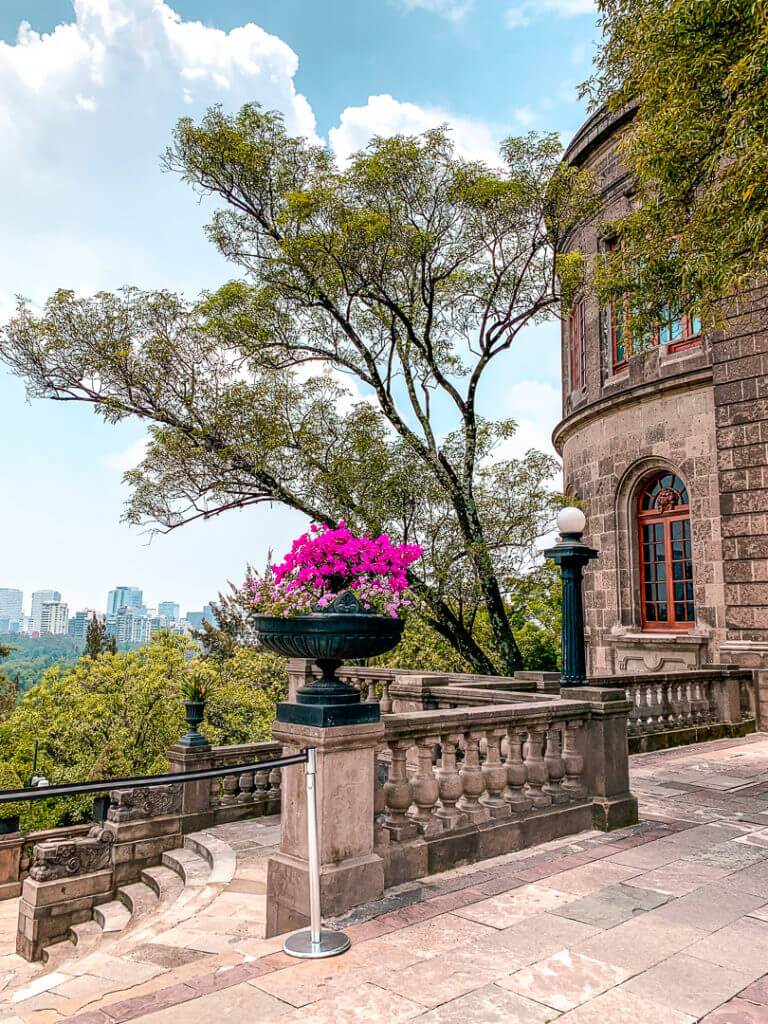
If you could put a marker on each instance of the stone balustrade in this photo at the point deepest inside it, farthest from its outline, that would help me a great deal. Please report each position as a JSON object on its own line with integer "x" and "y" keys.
{"x": 256, "y": 792}
{"x": 469, "y": 783}
{"x": 674, "y": 708}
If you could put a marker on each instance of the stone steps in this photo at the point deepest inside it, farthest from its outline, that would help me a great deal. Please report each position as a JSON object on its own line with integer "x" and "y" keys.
{"x": 182, "y": 879}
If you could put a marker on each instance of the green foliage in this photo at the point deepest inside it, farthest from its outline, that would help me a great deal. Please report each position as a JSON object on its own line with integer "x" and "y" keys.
{"x": 408, "y": 274}
{"x": 31, "y": 656}
{"x": 697, "y": 147}
{"x": 534, "y": 609}
{"x": 98, "y": 640}
{"x": 117, "y": 715}
{"x": 9, "y": 779}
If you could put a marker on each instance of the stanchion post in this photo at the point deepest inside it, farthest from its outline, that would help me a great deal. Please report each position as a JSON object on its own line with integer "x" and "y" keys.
{"x": 315, "y": 942}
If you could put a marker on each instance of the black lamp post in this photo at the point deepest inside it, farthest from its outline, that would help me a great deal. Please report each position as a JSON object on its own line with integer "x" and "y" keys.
{"x": 571, "y": 555}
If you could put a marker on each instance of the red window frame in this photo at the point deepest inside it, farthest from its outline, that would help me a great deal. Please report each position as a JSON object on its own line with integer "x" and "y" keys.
{"x": 690, "y": 330}
{"x": 577, "y": 347}
{"x": 666, "y": 564}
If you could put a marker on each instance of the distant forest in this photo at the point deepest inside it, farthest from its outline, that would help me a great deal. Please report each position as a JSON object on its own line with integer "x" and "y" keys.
{"x": 32, "y": 655}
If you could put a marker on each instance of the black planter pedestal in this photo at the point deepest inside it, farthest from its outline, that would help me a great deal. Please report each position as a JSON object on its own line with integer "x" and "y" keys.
{"x": 330, "y": 636}
{"x": 328, "y": 702}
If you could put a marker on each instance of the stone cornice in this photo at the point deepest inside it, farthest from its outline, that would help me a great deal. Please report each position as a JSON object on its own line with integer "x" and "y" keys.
{"x": 596, "y": 129}
{"x": 687, "y": 381}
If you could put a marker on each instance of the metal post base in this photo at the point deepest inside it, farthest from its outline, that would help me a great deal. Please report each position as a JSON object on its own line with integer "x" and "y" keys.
{"x": 331, "y": 943}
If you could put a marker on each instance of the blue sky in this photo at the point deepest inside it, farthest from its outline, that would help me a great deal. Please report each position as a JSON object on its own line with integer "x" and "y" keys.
{"x": 88, "y": 95}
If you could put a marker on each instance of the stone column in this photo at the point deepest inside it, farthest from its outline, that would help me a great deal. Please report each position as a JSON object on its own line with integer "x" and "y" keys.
{"x": 10, "y": 858}
{"x": 606, "y": 759}
{"x": 350, "y": 872}
{"x": 195, "y": 796}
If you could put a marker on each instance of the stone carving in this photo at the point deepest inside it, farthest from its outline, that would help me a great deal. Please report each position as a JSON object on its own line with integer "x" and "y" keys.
{"x": 59, "y": 858}
{"x": 666, "y": 499}
{"x": 138, "y": 804}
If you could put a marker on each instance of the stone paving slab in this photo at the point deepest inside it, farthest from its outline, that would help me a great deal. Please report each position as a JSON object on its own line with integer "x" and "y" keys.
{"x": 665, "y": 922}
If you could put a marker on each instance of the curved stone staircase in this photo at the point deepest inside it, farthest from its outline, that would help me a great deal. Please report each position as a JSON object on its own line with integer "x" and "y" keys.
{"x": 189, "y": 878}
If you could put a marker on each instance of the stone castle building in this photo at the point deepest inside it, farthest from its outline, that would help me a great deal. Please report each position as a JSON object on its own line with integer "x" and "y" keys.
{"x": 668, "y": 448}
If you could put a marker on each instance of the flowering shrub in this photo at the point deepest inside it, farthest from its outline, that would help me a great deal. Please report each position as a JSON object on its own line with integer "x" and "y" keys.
{"x": 324, "y": 562}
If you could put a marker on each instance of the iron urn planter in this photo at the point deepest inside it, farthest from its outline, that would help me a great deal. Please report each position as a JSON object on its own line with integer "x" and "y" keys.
{"x": 193, "y": 712}
{"x": 329, "y": 636}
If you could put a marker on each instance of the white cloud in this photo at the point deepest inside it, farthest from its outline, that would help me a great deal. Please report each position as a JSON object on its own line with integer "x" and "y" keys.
{"x": 536, "y": 407}
{"x": 129, "y": 457}
{"x": 524, "y": 13}
{"x": 525, "y": 116}
{"x": 454, "y": 10}
{"x": 383, "y": 115}
{"x": 85, "y": 111}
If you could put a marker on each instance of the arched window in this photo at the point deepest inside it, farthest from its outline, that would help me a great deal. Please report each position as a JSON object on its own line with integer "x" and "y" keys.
{"x": 666, "y": 569}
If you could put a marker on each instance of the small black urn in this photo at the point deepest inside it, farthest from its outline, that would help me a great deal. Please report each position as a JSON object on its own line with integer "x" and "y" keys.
{"x": 193, "y": 712}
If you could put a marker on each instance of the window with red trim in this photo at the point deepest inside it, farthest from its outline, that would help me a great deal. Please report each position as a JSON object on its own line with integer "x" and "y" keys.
{"x": 577, "y": 347}
{"x": 676, "y": 330}
{"x": 666, "y": 566}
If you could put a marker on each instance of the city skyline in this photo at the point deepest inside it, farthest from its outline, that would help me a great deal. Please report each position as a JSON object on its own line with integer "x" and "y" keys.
{"x": 102, "y": 608}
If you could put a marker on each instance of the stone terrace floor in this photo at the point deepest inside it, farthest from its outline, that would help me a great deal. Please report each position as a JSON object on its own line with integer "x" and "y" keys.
{"x": 663, "y": 923}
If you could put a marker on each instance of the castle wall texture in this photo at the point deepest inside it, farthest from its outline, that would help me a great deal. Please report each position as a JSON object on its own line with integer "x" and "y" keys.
{"x": 702, "y": 413}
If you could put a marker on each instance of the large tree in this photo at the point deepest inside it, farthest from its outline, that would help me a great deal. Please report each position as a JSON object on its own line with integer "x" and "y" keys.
{"x": 408, "y": 272}
{"x": 697, "y": 147}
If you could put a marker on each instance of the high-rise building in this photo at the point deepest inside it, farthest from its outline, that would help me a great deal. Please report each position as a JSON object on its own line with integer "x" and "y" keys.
{"x": 129, "y": 626}
{"x": 39, "y": 597}
{"x": 124, "y": 597}
{"x": 54, "y": 616}
{"x": 79, "y": 623}
{"x": 10, "y": 605}
{"x": 169, "y": 610}
{"x": 195, "y": 619}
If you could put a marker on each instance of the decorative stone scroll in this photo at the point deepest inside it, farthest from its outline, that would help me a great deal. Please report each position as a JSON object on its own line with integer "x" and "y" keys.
{"x": 151, "y": 802}
{"x": 67, "y": 858}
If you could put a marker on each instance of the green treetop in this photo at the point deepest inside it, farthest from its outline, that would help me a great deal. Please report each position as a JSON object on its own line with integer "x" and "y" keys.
{"x": 697, "y": 148}
{"x": 409, "y": 273}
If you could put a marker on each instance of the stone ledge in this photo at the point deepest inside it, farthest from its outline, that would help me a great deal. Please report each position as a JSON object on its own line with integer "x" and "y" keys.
{"x": 405, "y": 861}
{"x": 684, "y": 737}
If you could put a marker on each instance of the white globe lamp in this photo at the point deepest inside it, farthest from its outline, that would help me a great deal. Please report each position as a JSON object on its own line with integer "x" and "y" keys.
{"x": 571, "y": 520}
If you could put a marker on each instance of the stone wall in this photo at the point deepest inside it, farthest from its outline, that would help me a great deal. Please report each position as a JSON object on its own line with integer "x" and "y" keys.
{"x": 606, "y": 456}
{"x": 658, "y": 411}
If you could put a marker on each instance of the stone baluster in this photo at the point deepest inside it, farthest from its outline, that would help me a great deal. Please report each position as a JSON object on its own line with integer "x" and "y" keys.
{"x": 425, "y": 790}
{"x": 385, "y": 704}
{"x": 688, "y": 700}
{"x": 472, "y": 779}
{"x": 245, "y": 785}
{"x": 516, "y": 771}
{"x": 215, "y": 799}
{"x": 555, "y": 767}
{"x": 573, "y": 762}
{"x": 659, "y": 724}
{"x": 634, "y": 726}
{"x": 712, "y": 707}
{"x": 449, "y": 784}
{"x": 646, "y": 714}
{"x": 371, "y": 695}
{"x": 274, "y": 793}
{"x": 677, "y": 713}
{"x": 399, "y": 795}
{"x": 261, "y": 781}
{"x": 536, "y": 768}
{"x": 495, "y": 776}
{"x": 229, "y": 785}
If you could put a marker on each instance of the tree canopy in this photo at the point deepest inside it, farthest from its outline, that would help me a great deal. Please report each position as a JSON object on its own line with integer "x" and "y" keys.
{"x": 117, "y": 714}
{"x": 407, "y": 274}
{"x": 697, "y": 147}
